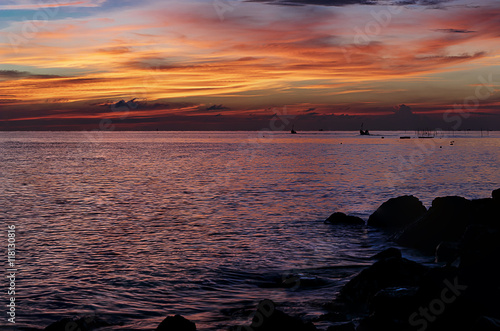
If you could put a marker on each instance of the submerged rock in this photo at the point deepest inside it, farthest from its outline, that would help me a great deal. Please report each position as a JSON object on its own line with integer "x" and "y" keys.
{"x": 176, "y": 323}
{"x": 397, "y": 212}
{"x": 341, "y": 218}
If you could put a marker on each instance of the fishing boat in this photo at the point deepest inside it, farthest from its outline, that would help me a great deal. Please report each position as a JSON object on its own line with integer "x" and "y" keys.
{"x": 363, "y": 132}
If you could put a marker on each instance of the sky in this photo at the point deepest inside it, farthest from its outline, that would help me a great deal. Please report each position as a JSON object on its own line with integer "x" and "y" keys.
{"x": 249, "y": 65}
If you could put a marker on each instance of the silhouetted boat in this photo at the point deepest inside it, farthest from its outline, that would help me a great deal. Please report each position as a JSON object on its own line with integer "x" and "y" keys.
{"x": 405, "y": 137}
{"x": 363, "y": 132}
{"x": 293, "y": 131}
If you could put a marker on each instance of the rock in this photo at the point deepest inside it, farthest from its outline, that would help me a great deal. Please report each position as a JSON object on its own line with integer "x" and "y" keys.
{"x": 447, "y": 252}
{"x": 341, "y": 218}
{"x": 62, "y": 324}
{"x": 397, "y": 212}
{"x": 372, "y": 323}
{"x": 176, "y": 323}
{"x": 390, "y": 309}
{"x": 293, "y": 280}
{"x": 480, "y": 245}
{"x": 394, "y": 303}
{"x": 480, "y": 258}
{"x": 485, "y": 212}
{"x": 332, "y": 317}
{"x": 85, "y": 323}
{"x": 445, "y": 301}
{"x": 433, "y": 282}
{"x": 342, "y": 327}
{"x": 496, "y": 195}
{"x": 486, "y": 324}
{"x": 299, "y": 280}
{"x": 389, "y": 252}
{"x": 446, "y": 220}
{"x": 268, "y": 318}
{"x": 390, "y": 272}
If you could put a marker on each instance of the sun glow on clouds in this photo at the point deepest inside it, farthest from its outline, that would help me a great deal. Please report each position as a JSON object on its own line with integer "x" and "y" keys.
{"x": 257, "y": 56}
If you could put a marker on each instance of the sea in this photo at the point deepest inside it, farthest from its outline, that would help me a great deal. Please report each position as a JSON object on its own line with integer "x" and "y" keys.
{"x": 131, "y": 227}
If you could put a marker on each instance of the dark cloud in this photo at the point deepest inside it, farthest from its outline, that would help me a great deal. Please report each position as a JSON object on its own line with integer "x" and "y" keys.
{"x": 115, "y": 50}
{"x": 339, "y": 3}
{"x": 16, "y": 74}
{"x": 316, "y": 2}
{"x": 403, "y": 111}
{"x": 13, "y": 74}
{"x": 131, "y": 104}
{"x": 217, "y": 107}
{"x": 247, "y": 58}
{"x": 455, "y": 31}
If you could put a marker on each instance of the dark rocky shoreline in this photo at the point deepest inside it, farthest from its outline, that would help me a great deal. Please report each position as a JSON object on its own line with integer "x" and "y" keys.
{"x": 461, "y": 292}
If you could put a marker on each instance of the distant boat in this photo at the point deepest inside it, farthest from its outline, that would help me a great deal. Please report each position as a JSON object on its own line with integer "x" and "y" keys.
{"x": 363, "y": 132}
{"x": 293, "y": 131}
{"x": 405, "y": 137}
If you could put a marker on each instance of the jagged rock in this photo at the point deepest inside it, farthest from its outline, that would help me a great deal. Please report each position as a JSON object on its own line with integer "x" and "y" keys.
{"x": 176, "y": 323}
{"x": 446, "y": 220}
{"x": 397, "y": 212}
{"x": 341, "y": 218}
{"x": 389, "y": 252}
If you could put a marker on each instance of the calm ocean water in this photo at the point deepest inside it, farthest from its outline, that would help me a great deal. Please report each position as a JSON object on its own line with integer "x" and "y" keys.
{"x": 135, "y": 226}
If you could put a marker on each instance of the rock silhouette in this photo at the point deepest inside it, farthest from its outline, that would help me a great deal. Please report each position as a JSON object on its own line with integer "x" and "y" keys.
{"x": 176, "y": 323}
{"x": 397, "y": 212}
{"x": 341, "y": 218}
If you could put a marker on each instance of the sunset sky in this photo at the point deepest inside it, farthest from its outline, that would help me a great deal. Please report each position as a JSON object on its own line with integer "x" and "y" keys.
{"x": 219, "y": 64}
